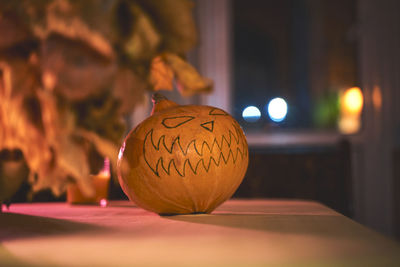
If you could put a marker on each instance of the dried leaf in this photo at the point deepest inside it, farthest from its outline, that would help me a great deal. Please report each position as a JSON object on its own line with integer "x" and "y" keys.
{"x": 129, "y": 89}
{"x": 16, "y": 130}
{"x": 100, "y": 114}
{"x": 102, "y": 145}
{"x": 69, "y": 156}
{"x": 161, "y": 75}
{"x": 174, "y": 20}
{"x": 68, "y": 19}
{"x": 144, "y": 40}
{"x": 73, "y": 160}
{"x": 189, "y": 80}
{"x": 76, "y": 69}
{"x": 12, "y": 30}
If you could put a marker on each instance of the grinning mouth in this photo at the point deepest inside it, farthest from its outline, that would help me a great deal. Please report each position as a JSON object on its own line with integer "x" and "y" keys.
{"x": 169, "y": 158}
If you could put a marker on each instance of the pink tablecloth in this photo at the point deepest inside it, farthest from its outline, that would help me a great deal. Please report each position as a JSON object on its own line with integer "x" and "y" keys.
{"x": 239, "y": 233}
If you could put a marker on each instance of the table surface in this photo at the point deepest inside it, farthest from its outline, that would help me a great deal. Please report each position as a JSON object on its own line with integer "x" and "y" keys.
{"x": 238, "y": 233}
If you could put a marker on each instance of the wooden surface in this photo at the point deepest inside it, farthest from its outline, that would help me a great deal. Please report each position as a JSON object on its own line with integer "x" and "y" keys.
{"x": 239, "y": 233}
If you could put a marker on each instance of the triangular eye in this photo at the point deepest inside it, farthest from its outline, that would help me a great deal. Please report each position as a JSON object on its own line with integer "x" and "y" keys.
{"x": 217, "y": 111}
{"x": 209, "y": 126}
{"x": 174, "y": 122}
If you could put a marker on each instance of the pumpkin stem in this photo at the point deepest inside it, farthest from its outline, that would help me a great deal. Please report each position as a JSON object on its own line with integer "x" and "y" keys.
{"x": 160, "y": 103}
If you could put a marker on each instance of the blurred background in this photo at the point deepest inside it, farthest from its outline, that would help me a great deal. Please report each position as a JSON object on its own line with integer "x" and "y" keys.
{"x": 326, "y": 140}
{"x": 314, "y": 84}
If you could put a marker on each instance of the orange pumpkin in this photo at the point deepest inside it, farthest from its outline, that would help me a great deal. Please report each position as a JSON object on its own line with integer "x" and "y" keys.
{"x": 183, "y": 159}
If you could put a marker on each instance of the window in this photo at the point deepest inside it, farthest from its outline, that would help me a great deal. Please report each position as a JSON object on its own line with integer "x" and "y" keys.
{"x": 302, "y": 52}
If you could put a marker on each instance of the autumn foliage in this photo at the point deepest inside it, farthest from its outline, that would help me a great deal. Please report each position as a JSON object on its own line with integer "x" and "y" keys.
{"x": 70, "y": 71}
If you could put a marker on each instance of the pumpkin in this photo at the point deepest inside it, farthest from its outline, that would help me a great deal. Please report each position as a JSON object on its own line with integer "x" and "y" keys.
{"x": 183, "y": 159}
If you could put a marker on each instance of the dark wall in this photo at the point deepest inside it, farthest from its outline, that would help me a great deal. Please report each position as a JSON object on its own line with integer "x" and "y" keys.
{"x": 314, "y": 173}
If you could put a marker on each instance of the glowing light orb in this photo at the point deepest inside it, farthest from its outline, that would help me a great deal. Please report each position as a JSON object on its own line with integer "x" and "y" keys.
{"x": 349, "y": 124}
{"x": 277, "y": 109}
{"x": 103, "y": 202}
{"x": 251, "y": 114}
{"x": 353, "y": 100}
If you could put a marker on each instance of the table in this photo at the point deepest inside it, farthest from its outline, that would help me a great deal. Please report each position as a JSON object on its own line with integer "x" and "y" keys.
{"x": 238, "y": 233}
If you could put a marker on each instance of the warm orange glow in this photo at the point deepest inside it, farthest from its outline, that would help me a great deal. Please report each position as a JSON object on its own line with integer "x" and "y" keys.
{"x": 105, "y": 172}
{"x": 49, "y": 80}
{"x": 100, "y": 184}
{"x": 352, "y": 101}
{"x": 349, "y": 124}
{"x": 377, "y": 98}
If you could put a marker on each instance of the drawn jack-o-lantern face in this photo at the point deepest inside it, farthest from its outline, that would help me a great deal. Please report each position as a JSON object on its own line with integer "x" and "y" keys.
{"x": 184, "y": 159}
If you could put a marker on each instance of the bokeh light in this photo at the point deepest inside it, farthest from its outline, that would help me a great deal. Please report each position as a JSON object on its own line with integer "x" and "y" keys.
{"x": 103, "y": 203}
{"x": 350, "y": 114}
{"x": 251, "y": 114}
{"x": 377, "y": 97}
{"x": 352, "y": 100}
{"x": 277, "y": 109}
{"x": 349, "y": 124}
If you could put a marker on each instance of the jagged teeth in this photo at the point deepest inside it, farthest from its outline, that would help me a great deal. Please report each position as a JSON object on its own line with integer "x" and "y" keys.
{"x": 176, "y": 159}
